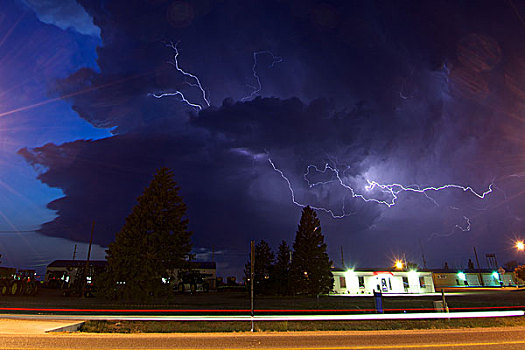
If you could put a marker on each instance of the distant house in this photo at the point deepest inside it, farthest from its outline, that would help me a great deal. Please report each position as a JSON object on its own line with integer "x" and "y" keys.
{"x": 366, "y": 281}
{"x": 473, "y": 278}
{"x": 62, "y": 272}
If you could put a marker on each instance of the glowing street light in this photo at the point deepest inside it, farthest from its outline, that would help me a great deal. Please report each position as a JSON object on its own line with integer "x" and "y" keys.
{"x": 520, "y": 245}
{"x": 398, "y": 264}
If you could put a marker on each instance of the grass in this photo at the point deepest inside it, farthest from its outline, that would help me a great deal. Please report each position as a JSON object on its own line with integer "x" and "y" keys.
{"x": 286, "y": 326}
{"x": 241, "y": 300}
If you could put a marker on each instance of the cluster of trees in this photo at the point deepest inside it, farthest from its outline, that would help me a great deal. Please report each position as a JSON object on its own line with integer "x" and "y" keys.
{"x": 155, "y": 240}
{"x": 303, "y": 270}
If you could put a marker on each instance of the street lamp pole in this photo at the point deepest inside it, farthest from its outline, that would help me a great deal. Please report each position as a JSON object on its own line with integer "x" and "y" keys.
{"x": 252, "y": 274}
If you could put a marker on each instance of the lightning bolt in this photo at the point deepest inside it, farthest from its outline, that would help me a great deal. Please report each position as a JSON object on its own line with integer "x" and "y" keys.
{"x": 392, "y": 190}
{"x": 257, "y": 89}
{"x": 467, "y": 228}
{"x": 196, "y": 82}
{"x": 329, "y": 211}
{"x": 395, "y": 189}
{"x": 183, "y": 98}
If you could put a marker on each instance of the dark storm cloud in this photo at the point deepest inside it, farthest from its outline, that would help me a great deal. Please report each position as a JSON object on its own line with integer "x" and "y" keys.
{"x": 412, "y": 92}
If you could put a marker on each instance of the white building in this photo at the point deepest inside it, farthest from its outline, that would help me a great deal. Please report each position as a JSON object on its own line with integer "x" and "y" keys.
{"x": 365, "y": 282}
{"x": 473, "y": 278}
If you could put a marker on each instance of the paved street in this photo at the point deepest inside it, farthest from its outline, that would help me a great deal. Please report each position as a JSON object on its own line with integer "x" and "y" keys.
{"x": 26, "y": 336}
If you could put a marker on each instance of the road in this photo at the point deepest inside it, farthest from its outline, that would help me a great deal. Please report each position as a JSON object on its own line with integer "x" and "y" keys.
{"x": 488, "y": 338}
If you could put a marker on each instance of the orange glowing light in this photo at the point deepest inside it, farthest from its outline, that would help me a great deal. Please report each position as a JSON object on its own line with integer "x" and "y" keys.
{"x": 398, "y": 264}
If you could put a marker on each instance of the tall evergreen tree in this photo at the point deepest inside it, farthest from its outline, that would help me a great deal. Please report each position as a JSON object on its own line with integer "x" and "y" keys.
{"x": 281, "y": 270}
{"x": 154, "y": 240}
{"x": 264, "y": 259}
{"x": 310, "y": 269}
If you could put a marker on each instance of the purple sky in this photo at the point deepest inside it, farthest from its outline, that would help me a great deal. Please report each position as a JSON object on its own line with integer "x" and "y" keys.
{"x": 337, "y": 95}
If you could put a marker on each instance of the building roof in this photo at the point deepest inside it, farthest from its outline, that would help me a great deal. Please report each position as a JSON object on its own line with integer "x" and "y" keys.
{"x": 77, "y": 263}
{"x": 388, "y": 270}
{"x": 452, "y": 271}
{"x": 463, "y": 270}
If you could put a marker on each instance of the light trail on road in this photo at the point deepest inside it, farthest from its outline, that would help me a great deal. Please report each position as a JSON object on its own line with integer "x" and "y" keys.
{"x": 400, "y": 316}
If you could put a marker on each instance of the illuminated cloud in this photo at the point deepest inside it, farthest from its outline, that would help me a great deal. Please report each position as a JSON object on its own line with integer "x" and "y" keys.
{"x": 65, "y": 14}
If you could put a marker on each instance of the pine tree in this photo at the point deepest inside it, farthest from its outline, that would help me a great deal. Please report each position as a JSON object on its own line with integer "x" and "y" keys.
{"x": 281, "y": 270}
{"x": 264, "y": 259}
{"x": 310, "y": 269}
{"x": 154, "y": 240}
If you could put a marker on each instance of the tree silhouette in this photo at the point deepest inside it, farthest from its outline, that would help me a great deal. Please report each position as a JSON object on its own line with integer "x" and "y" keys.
{"x": 310, "y": 269}
{"x": 281, "y": 270}
{"x": 154, "y": 240}
{"x": 264, "y": 259}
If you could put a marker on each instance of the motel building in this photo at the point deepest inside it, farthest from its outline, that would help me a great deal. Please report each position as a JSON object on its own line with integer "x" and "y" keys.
{"x": 366, "y": 282}
{"x": 473, "y": 278}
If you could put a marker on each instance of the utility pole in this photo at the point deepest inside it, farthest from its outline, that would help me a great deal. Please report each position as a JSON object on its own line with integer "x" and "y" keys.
{"x": 479, "y": 269}
{"x": 252, "y": 274}
{"x": 423, "y": 255}
{"x": 75, "y": 252}
{"x": 342, "y": 258}
{"x": 87, "y": 261}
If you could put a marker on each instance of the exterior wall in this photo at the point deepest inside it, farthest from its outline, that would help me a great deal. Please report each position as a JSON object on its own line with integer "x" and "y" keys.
{"x": 472, "y": 279}
{"x": 366, "y": 282}
{"x": 508, "y": 279}
{"x": 490, "y": 281}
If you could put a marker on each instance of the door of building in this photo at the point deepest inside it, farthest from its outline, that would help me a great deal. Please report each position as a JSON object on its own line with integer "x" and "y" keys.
{"x": 386, "y": 286}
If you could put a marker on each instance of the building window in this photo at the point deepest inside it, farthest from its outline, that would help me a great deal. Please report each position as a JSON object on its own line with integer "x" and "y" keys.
{"x": 405, "y": 283}
{"x": 361, "y": 281}
{"x": 422, "y": 282}
{"x": 342, "y": 282}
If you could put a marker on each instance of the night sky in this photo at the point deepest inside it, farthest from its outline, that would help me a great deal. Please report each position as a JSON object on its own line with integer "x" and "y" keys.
{"x": 261, "y": 107}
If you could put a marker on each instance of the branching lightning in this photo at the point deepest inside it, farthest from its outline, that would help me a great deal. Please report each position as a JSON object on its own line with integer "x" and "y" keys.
{"x": 391, "y": 190}
{"x": 466, "y": 228}
{"x": 257, "y": 89}
{"x": 196, "y": 82}
{"x": 178, "y": 93}
{"x": 329, "y": 211}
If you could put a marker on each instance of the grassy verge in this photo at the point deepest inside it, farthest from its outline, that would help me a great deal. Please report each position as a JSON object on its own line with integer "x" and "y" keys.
{"x": 284, "y": 326}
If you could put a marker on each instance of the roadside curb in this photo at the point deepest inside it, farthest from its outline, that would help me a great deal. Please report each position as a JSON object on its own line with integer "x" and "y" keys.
{"x": 69, "y": 328}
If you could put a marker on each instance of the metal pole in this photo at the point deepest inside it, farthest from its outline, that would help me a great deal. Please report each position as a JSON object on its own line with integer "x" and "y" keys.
{"x": 423, "y": 255}
{"x": 479, "y": 270}
{"x": 252, "y": 274}
{"x": 445, "y": 306}
{"x": 87, "y": 261}
{"x": 75, "y": 252}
